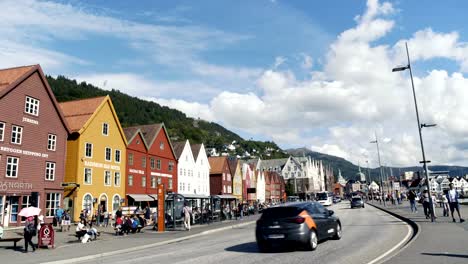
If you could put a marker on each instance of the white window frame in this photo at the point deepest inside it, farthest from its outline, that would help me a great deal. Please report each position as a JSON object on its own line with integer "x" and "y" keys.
{"x": 130, "y": 180}
{"x": 14, "y": 167}
{"x": 50, "y": 171}
{"x": 117, "y": 183}
{"x": 158, "y": 164}
{"x": 110, "y": 154}
{"x": 119, "y": 155}
{"x": 90, "y": 176}
{"x": 52, "y": 204}
{"x": 16, "y": 134}
{"x": 105, "y": 129}
{"x": 114, "y": 208}
{"x": 153, "y": 182}
{"x": 31, "y": 106}
{"x": 86, "y": 146}
{"x": 2, "y": 131}
{"x": 143, "y": 181}
{"x": 159, "y": 180}
{"x": 170, "y": 184}
{"x": 130, "y": 159}
{"x": 161, "y": 145}
{"x": 52, "y": 142}
{"x": 152, "y": 163}
{"x": 107, "y": 178}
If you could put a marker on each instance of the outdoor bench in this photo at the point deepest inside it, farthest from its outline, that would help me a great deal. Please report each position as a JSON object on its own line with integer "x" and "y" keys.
{"x": 13, "y": 239}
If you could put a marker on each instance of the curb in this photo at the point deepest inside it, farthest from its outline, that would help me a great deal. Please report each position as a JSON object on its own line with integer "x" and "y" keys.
{"x": 416, "y": 231}
{"x": 127, "y": 250}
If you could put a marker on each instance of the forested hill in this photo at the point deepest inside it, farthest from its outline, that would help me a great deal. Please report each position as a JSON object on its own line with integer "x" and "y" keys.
{"x": 134, "y": 111}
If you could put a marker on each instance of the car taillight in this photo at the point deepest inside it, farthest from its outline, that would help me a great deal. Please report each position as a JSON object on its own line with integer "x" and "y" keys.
{"x": 298, "y": 220}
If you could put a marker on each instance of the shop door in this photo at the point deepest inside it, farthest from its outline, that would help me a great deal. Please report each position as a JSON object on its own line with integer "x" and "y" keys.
{"x": 11, "y": 210}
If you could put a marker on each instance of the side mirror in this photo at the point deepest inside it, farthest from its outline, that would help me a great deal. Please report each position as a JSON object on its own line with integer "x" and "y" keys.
{"x": 330, "y": 212}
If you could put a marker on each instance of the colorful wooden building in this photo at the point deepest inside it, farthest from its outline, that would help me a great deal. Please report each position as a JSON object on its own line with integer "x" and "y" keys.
{"x": 95, "y": 171}
{"x": 33, "y": 140}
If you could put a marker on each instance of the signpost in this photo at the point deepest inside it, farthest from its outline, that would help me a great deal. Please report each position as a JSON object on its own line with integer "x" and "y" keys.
{"x": 161, "y": 209}
{"x": 46, "y": 236}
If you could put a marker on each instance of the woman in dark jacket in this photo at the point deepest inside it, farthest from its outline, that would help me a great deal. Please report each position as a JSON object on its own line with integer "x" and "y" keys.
{"x": 29, "y": 232}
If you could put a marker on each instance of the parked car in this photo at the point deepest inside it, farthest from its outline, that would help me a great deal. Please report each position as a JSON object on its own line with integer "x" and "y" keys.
{"x": 299, "y": 224}
{"x": 357, "y": 202}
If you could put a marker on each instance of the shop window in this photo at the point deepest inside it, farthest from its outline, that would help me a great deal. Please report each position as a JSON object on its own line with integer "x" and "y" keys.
{"x": 14, "y": 203}
{"x": 170, "y": 184}
{"x": 52, "y": 203}
{"x": 153, "y": 182}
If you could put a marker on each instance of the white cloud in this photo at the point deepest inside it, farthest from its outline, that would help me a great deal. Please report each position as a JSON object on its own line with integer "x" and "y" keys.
{"x": 194, "y": 110}
{"x": 307, "y": 62}
{"x": 279, "y": 60}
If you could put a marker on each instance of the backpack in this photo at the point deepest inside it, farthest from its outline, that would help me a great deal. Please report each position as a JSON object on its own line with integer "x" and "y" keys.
{"x": 30, "y": 229}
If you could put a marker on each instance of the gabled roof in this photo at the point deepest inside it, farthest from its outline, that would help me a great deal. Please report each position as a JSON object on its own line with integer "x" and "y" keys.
{"x": 232, "y": 161}
{"x": 150, "y": 132}
{"x": 178, "y": 148}
{"x": 80, "y": 113}
{"x": 196, "y": 148}
{"x": 216, "y": 164}
{"x": 132, "y": 132}
{"x": 12, "y": 77}
{"x": 273, "y": 163}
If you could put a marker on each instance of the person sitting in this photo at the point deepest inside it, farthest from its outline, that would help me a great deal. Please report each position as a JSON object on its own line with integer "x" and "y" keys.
{"x": 141, "y": 222}
{"x": 118, "y": 226}
{"x": 127, "y": 225}
{"x": 81, "y": 229}
{"x": 135, "y": 224}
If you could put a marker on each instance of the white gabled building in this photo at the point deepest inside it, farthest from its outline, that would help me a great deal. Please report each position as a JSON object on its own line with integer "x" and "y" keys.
{"x": 186, "y": 166}
{"x": 202, "y": 169}
{"x": 260, "y": 186}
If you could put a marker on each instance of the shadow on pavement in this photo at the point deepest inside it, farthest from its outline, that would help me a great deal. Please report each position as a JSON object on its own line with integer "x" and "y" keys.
{"x": 445, "y": 255}
{"x": 251, "y": 247}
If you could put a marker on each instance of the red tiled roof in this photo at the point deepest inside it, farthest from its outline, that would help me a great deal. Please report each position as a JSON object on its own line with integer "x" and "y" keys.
{"x": 8, "y": 76}
{"x": 216, "y": 164}
{"x": 78, "y": 112}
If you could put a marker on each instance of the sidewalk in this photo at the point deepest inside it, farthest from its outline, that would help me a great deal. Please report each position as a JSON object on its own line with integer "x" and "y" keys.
{"x": 440, "y": 242}
{"x": 68, "y": 246}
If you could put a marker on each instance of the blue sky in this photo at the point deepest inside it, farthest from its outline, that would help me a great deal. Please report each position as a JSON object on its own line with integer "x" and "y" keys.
{"x": 301, "y": 73}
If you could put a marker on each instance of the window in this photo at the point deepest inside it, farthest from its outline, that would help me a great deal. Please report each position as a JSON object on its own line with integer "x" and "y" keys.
{"x": 88, "y": 174}
{"x": 25, "y": 203}
{"x": 52, "y": 203}
{"x": 161, "y": 145}
{"x": 108, "y": 154}
{"x": 31, "y": 106}
{"x": 117, "y": 156}
{"x": 170, "y": 184}
{"x": 16, "y": 133}
{"x": 51, "y": 142}
{"x": 224, "y": 176}
{"x": 224, "y": 188}
{"x": 188, "y": 187}
{"x": 229, "y": 177}
{"x": 153, "y": 182}
{"x": 88, "y": 202}
{"x": 105, "y": 129}
{"x": 50, "y": 171}
{"x": 130, "y": 159}
{"x": 117, "y": 178}
{"x": 143, "y": 181}
{"x": 171, "y": 166}
{"x": 2, "y": 130}
{"x": 14, "y": 203}
{"x": 143, "y": 162}
{"x": 158, "y": 164}
{"x": 130, "y": 180}
{"x": 107, "y": 178}
{"x": 115, "y": 202}
{"x": 183, "y": 186}
{"x": 12, "y": 167}
{"x": 152, "y": 163}
{"x": 159, "y": 180}
{"x": 89, "y": 150}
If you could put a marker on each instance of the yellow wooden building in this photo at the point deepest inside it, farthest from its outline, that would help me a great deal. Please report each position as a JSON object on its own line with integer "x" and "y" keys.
{"x": 96, "y": 157}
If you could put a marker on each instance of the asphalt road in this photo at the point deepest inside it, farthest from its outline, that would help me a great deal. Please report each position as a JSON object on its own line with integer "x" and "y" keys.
{"x": 367, "y": 234}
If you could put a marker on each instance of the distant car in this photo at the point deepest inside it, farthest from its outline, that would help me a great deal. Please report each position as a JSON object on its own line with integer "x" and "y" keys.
{"x": 357, "y": 202}
{"x": 336, "y": 199}
{"x": 300, "y": 224}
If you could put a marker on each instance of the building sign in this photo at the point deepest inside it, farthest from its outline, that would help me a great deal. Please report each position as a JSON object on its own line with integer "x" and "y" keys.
{"x": 161, "y": 174}
{"x": 136, "y": 171}
{"x": 46, "y": 236}
{"x": 31, "y": 121}
{"x": 101, "y": 165}
{"x": 15, "y": 186}
{"x": 396, "y": 186}
{"x": 24, "y": 152}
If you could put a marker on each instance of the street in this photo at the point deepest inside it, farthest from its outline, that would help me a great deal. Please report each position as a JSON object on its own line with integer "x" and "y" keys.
{"x": 367, "y": 234}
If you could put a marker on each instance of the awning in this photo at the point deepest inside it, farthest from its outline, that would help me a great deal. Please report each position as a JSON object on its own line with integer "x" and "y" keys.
{"x": 224, "y": 196}
{"x": 196, "y": 196}
{"x": 141, "y": 197}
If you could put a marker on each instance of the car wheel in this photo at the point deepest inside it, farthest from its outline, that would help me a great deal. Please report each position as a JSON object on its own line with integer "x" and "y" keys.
{"x": 263, "y": 247}
{"x": 313, "y": 240}
{"x": 363, "y": 206}
{"x": 338, "y": 232}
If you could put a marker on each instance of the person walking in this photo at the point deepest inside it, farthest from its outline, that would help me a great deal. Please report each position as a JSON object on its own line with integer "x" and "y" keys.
{"x": 106, "y": 219}
{"x": 445, "y": 203}
{"x": 29, "y": 231}
{"x": 425, "y": 199}
{"x": 187, "y": 211}
{"x": 452, "y": 197}
{"x": 412, "y": 201}
{"x": 241, "y": 210}
{"x": 58, "y": 216}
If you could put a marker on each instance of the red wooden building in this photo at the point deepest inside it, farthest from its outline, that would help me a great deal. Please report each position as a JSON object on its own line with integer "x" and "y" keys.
{"x": 220, "y": 176}
{"x": 33, "y": 140}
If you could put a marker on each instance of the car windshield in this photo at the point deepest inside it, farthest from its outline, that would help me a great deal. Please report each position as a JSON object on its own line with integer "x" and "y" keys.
{"x": 356, "y": 199}
{"x": 322, "y": 196}
{"x": 281, "y": 212}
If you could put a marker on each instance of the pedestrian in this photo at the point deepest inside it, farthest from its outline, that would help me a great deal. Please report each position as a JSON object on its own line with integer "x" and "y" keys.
{"x": 445, "y": 203}
{"x": 66, "y": 221}
{"x": 29, "y": 231}
{"x": 241, "y": 210}
{"x": 147, "y": 215}
{"x": 106, "y": 219}
{"x": 155, "y": 220}
{"x": 99, "y": 214}
{"x": 426, "y": 206}
{"x": 452, "y": 197}
{"x": 58, "y": 216}
{"x": 187, "y": 211}
{"x": 412, "y": 200}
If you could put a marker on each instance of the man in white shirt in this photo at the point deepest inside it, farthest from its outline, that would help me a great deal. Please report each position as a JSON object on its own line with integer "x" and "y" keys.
{"x": 452, "y": 197}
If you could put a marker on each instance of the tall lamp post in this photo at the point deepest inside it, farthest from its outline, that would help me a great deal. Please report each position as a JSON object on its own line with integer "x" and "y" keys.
{"x": 376, "y": 141}
{"x": 420, "y": 126}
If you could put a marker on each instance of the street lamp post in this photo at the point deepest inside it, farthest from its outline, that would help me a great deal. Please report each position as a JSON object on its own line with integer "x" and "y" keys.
{"x": 376, "y": 141}
{"x": 420, "y": 126}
